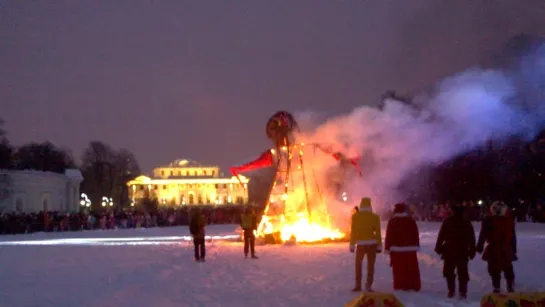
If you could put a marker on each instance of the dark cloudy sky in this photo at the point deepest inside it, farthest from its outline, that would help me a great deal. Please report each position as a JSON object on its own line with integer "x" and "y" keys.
{"x": 198, "y": 79}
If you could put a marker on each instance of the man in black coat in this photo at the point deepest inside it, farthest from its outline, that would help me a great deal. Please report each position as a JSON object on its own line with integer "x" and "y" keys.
{"x": 456, "y": 246}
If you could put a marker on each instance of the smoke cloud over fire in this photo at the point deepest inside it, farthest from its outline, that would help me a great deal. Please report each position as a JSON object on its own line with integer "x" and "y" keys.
{"x": 461, "y": 113}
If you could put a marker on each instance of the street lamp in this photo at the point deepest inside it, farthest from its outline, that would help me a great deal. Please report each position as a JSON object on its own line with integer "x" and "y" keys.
{"x": 85, "y": 201}
{"x": 105, "y": 201}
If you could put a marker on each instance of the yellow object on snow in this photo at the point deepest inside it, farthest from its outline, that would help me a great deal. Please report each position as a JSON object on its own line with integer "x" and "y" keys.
{"x": 513, "y": 299}
{"x": 375, "y": 299}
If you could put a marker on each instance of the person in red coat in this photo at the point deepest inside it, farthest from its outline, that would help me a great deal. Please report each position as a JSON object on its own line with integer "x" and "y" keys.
{"x": 402, "y": 242}
{"x": 497, "y": 232}
{"x": 456, "y": 246}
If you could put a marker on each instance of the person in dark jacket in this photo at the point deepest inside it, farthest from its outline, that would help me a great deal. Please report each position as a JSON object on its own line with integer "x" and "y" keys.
{"x": 497, "y": 232}
{"x": 456, "y": 246}
{"x": 196, "y": 228}
{"x": 248, "y": 223}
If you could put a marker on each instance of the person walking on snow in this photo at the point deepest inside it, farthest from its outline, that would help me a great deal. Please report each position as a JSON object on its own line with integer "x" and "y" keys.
{"x": 402, "y": 242}
{"x": 497, "y": 232}
{"x": 196, "y": 228}
{"x": 365, "y": 240}
{"x": 456, "y": 246}
{"x": 248, "y": 223}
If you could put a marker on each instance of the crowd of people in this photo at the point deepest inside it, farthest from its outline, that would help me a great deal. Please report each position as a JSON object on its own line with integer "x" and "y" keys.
{"x": 16, "y": 223}
{"x": 474, "y": 211}
{"x": 456, "y": 244}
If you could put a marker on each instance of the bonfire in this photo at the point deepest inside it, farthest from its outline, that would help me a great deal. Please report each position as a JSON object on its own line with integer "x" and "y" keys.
{"x": 296, "y": 210}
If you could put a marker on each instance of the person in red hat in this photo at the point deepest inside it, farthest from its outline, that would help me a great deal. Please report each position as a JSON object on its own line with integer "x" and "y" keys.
{"x": 402, "y": 242}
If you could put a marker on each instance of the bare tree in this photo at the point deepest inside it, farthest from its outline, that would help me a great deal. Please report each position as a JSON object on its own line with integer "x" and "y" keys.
{"x": 98, "y": 171}
{"x": 6, "y": 150}
{"x": 107, "y": 171}
{"x": 126, "y": 168}
{"x": 42, "y": 157}
{"x": 6, "y": 154}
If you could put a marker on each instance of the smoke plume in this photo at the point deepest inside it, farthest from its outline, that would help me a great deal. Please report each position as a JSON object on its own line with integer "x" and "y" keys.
{"x": 460, "y": 114}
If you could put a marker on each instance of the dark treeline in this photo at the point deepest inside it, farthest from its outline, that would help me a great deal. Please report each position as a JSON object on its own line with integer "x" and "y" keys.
{"x": 511, "y": 171}
{"x": 105, "y": 170}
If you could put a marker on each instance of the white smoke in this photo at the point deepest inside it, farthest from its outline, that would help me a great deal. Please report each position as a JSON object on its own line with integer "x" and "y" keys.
{"x": 462, "y": 113}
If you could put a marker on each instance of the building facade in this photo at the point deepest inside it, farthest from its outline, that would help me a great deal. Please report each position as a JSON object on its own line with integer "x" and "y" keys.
{"x": 185, "y": 182}
{"x": 35, "y": 191}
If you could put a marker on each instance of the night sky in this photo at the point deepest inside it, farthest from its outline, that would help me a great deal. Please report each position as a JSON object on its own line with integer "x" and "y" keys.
{"x": 199, "y": 79}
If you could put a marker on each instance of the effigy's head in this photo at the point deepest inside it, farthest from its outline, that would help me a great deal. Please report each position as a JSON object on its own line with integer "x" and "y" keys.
{"x": 280, "y": 127}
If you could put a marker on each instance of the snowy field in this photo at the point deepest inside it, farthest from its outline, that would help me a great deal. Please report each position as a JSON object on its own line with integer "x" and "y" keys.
{"x": 155, "y": 267}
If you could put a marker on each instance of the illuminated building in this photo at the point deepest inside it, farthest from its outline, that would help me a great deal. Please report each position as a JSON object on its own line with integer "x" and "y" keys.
{"x": 185, "y": 182}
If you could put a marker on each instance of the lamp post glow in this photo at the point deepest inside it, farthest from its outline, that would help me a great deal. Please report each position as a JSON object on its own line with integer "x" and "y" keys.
{"x": 85, "y": 201}
{"x": 105, "y": 201}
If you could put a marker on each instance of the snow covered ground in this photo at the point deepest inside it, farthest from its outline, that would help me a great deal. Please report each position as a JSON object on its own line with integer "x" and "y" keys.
{"x": 155, "y": 267}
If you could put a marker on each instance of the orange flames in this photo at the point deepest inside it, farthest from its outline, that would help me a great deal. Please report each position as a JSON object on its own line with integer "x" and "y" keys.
{"x": 299, "y": 226}
{"x": 296, "y": 210}
{"x": 303, "y": 229}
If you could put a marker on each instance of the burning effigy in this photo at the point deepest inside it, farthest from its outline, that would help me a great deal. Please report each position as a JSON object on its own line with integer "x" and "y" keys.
{"x": 295, "y": 209}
